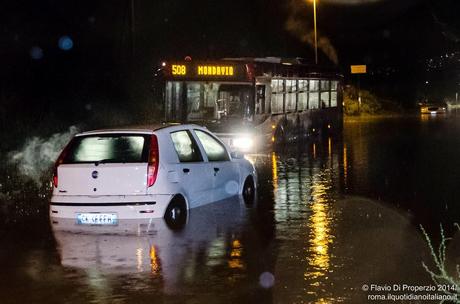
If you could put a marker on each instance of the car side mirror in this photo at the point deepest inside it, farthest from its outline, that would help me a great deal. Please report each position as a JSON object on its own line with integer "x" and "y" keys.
{"x": 237, "y": 154}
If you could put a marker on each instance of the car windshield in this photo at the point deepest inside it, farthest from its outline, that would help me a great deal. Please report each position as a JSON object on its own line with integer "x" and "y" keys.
{"x": 111, "y": 148}
{"x": 206, "y": 101}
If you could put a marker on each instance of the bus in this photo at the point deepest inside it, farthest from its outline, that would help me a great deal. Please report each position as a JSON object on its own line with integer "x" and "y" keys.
{"x": 253, "y": 103}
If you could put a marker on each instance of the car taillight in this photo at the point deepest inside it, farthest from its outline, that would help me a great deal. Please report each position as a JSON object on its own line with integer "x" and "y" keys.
{"x": 55, "y": 177}
{"x": 59, "y": 161}
{"x": 154, "y": 161}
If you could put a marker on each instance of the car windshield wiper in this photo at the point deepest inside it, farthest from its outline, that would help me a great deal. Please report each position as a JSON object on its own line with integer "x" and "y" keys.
{"x": 103, "y": 161}
{"x": 111, "y": 160}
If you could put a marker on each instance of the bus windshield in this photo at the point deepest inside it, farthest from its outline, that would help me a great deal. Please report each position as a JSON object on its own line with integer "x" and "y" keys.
{"x": 208, "y": 101}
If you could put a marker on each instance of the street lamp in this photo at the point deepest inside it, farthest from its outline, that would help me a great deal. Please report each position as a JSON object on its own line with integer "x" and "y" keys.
{"x": 316, "y": 37}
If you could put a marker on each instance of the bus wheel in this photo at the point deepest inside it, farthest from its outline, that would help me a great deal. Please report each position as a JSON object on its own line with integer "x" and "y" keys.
{"x": 300, "y": 132}
{"x": 249, "y": 191}
{"x": 176, "y": 213}
{"x": 279, "y": 138}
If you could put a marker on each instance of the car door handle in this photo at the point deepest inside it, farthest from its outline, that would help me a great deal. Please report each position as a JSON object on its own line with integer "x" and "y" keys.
{"x": 186, "y": 170}
{"x": 215, "y": 171}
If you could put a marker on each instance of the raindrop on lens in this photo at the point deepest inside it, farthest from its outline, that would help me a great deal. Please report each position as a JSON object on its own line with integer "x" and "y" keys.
{"x": 266, "y": 280}
{"x": 65, "y": 43}
{"x": 36, "y": 53}
{"x": 231, "y": 187}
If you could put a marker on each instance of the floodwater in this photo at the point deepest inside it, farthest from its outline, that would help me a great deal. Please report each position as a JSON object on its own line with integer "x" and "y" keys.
{"x": 332, "y": 215}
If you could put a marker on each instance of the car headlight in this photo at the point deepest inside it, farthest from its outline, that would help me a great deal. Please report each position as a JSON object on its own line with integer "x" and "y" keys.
{"x": 244, "y": 143}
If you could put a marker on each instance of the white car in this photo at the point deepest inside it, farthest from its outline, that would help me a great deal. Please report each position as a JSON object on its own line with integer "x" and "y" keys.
{"x": 106, "y": 175}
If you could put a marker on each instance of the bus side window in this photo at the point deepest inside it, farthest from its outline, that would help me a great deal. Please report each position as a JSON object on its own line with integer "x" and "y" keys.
{"x": 325, "y": 96}
{"x": 290, "y": 91}
{"x": 302, "y": 103}
{"x": 277, "y": 96}
{"x": 334, "y": 86}
{"x": 313, "y": 98}
{"x": 260, "y": 99}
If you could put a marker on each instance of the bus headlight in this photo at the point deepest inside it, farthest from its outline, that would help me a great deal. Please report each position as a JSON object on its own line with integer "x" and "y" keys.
{"x": 243, "y": 143}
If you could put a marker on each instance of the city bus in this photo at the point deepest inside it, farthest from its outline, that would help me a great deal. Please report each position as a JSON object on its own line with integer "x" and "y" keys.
{"x": 253, "y": 103}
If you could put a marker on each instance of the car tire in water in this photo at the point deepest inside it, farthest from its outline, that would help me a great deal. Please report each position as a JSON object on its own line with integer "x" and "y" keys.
{"x": 280, "y": 134}
{"x": 176, "y": 213}
{"x": 249, "y": 191}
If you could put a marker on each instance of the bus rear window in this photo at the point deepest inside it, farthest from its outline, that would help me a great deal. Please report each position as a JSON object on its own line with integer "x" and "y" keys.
{"x": 108, "y": 148}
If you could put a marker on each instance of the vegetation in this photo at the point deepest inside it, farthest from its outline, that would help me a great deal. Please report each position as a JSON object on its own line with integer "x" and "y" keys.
{"x": 440, "y": 275}
{"x": 370, "y": 103}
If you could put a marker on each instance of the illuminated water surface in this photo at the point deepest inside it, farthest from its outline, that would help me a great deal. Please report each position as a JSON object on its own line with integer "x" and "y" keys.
{"x": 332, "y": 215}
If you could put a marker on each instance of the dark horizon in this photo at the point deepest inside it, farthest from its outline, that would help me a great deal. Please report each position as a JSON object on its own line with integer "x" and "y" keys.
{"x": 67, "y": 60}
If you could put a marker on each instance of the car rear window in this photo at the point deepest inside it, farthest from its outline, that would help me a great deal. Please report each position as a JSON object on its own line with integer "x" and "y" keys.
{"x": 108, "y": 148}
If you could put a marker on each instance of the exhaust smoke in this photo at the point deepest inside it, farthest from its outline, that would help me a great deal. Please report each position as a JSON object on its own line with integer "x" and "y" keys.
{"x": 299, "y": 25}
{"x": 38, "y": 154}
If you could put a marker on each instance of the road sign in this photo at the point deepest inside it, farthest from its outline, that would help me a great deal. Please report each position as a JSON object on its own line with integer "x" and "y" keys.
{"x": 358, "y": 69}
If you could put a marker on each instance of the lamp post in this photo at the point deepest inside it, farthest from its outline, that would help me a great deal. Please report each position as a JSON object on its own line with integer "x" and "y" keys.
{"x": 316, "y": 37}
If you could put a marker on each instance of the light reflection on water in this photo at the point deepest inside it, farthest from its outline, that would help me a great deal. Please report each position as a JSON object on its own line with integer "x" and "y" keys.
{"x": 236, "y": 252}
{"x": 157, "y": 259}
{"x": 345, "y": 166}
{"x": 320, "y": 237}
{"x": 304, "y": 189}
{"x": 319, "y": 246}
{"x": 154, "y": 261}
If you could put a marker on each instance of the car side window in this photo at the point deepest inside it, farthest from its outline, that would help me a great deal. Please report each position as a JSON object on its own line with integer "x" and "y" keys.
{"x": 186, "y": 147}
{"x": 213, "y": 148}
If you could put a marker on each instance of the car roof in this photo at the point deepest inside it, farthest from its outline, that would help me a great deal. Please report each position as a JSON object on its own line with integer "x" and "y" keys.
{"x": 141, "y": 129}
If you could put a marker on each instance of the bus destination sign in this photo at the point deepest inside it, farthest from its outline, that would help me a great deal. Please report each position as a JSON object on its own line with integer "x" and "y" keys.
{"x": 213, "y": 70}
{"x": 178, "y": 69}
{"x": 203, "y": 71}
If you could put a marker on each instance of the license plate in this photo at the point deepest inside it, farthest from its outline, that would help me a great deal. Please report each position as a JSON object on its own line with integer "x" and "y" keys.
{"x": 97, "y": 218}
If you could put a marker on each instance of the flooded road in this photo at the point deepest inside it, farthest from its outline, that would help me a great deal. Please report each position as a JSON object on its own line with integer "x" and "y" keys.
{"x": 332, "y": 217}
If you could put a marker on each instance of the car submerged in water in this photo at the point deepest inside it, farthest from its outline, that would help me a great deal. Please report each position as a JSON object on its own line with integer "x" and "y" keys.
{"x": 105, "y": 175}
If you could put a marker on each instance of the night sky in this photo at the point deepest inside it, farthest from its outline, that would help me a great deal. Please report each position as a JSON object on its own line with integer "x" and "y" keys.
{"x": 71, "y": 60}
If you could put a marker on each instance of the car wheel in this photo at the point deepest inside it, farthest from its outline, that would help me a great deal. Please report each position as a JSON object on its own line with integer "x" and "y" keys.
{"x": 249, "y": 191}
{"x": 176, "y": 213}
